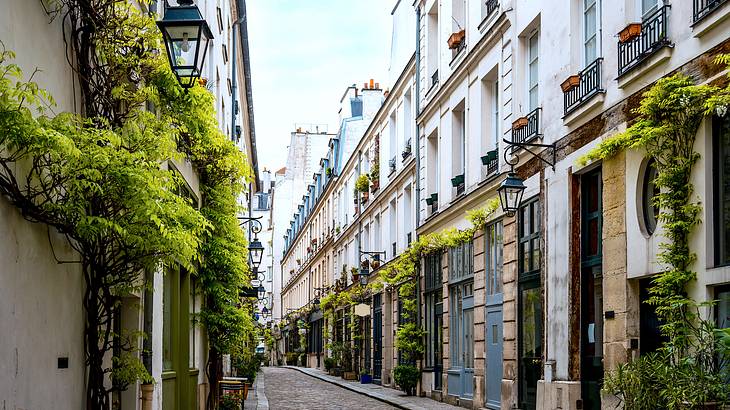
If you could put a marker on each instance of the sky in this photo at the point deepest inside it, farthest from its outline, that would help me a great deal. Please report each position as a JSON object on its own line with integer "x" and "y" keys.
{"x": 304, "y": 54}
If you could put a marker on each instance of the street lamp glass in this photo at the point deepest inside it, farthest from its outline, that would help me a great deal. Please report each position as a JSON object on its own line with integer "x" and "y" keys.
{"x": 265, "y": 313}
{"x": 261, "y": 292}
{"x": 186, "y": 36}
{"x": 255, "y": 252}
{"x": 510, "y": 193}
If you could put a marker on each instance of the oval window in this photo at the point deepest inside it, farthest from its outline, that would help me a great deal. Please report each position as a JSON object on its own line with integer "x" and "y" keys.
{"x": 649, "y": 191}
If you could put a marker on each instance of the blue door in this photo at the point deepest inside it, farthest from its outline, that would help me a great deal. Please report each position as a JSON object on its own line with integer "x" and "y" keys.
{"x": 461, "y": 371}
{"x": 493, "y": 321}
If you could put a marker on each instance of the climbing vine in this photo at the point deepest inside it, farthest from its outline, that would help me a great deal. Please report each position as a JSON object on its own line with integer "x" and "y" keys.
{"x": 669, "y": 116}
{"x": 402, "y": 273}
{"x": 96, "y": 178}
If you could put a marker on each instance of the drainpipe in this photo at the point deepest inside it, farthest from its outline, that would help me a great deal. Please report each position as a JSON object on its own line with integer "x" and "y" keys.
{"x": 418, "y": 112}
{"x": 418, "y": 154}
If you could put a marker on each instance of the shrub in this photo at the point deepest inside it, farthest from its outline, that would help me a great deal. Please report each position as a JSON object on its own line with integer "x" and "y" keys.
{"x": 362, "y": 183}
{"x": 329, "y": 363}
{"x": 230, "y": 402}
{"x": 291, "y": 358}
{"x": 406, "y": 377}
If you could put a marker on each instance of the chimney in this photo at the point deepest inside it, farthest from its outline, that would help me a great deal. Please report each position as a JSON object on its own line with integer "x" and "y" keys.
{"x": 365, "y": 86}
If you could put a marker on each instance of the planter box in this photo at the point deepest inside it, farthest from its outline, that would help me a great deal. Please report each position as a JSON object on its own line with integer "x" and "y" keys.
{"x": 519, "y": 123}
{"x": 457, "y": 180}
{"x": 349, "y": 375}
{"x": 455, "y": 39}
{"x": 570, "y": 83}
{"x": 366, "y": 379}
{"x": 435, "y": 197}
{"x": 630, "y": 32}
{"x": 491, "y": 156}
{"x": 429, "y": 200}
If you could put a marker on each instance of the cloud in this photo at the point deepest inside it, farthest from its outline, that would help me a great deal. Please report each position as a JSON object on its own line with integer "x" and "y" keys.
{"x": 304, "y": 53}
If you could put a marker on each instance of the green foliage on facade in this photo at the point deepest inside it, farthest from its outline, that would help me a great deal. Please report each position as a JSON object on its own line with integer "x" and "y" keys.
{"x": 669, "y": 116}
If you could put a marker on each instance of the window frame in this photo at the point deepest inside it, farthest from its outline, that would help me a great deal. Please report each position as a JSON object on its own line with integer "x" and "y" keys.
{"x": 595, "y": 5}
{"x": 528, "y": 240}
{"x": 533, "y": 59}
{"x": 719, "y": 151}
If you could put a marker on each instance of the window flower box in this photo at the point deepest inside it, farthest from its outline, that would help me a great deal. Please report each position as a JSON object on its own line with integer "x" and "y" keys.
{"x": 457, "y": 180}
{"x": 519, "y": 123}
{"x": 570, "y": 83}
{"x": 629, "y": 32}
{"x": 429, "y": 201}
{"x": 374, "y": 186}
{"x": 455, "y": 39}
{"x": 491, "y": 156}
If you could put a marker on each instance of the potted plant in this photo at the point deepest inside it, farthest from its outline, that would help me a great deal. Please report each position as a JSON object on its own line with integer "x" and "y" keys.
{"x": 365, "y": 196}
{"x": 406, "y": 152}
{"x": 230, "y": 402}
{"x": 406, "y": 377}
{"x": 328, "y": 172}
{"x": 375, "y": 263}
{"x": 491, "y": 156}
{"x": 329, "y": 364}
{"x": 337, "y": 230}
{"x": 455, "y": 39}
{"x": 365, "y": 377}
{"x": 457, "y": 180}
{"x": 362, "y": 183}
{"x": 309, "y": 249}
{"x": 629, "y": 32}
{"x": 519, "y": 123}
{"x": 375, "y": 185}
{"x": 570, "y": 83}
{"x": 353, "y": 273}
{"x": 299, "y": 261}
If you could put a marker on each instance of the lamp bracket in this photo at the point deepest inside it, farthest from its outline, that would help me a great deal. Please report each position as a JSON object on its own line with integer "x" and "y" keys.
{"x": 254, "y": 221}
{"x": 514, "y": 146}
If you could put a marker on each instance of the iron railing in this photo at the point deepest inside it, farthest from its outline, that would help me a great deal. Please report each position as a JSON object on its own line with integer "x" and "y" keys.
{"x": 434, "y": 78}
{"x": 391, "y": 165}
{"x": 590, "y": 85}
{"x": 406, "y": 150}
{"x": 652, "y": 38}
{"x": 491, "y": 6}
{"x": 529, "y": 131}
{"x": 702, "y": 8}
{"x": 493, "y": 165}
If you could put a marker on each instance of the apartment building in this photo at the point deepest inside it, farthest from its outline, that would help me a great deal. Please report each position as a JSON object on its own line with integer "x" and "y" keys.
{"x": 40, "y": 296}
{"x": 554, "y": 295}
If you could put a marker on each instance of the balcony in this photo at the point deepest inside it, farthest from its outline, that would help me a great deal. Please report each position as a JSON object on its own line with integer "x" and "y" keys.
{"x": 391, "y": 166}
{"x": 406, "y": 150}
{"x": 434, "y": 80}
{"x": 527, "y": 128}
{"x": 636, "y": 47}
{"x": 492, "y": 5}
{"x": 491, "y": 162}
{"x": 589, "y": 85}
{"x": 703, "y": 8}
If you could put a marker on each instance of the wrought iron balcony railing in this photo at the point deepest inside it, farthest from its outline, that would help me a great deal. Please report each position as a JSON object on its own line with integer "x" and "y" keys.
{"x": 530, "y": 130}
{"x": 492, "y": 5}
{"x": 590, "y": 85}
{"x": 702, "y": 8}
{"x": 434, "y": 78}
{"x": 653, "y": 37}
{"x": 391, "y": 165}
{"x": 492, "y": 165}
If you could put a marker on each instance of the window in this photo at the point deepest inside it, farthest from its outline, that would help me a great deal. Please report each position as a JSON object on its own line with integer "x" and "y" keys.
{"x": 722, "y": 308}
{"x": 495, "y": 113}
{"x": 721, "y": 165}
{"x": 590, "y": 30}
{"x": 432, "y": 43}
{"x": 649, "y": 191}
{"x": 461, "y": 262}
{"x": 167, "y": 314}
{"x": 528, "y": 253}
{"x": 494, "y": 249}
{"x": 220, "y": 20}
{"x": 225, "y": 53}
{"x": 461, "y": 298}
{"x": 532, "y": 70}
{"x": 434, "y": 328}
{"x": 648, "y": 7}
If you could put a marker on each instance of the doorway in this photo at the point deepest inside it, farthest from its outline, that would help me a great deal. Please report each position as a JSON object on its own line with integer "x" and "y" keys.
{"x": 591, "y": 309}
{"x": 493, "y": 320}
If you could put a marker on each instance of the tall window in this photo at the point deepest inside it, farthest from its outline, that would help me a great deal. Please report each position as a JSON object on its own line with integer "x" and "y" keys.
{"x": 529, "y": 239}
{"x": 648, "y": 7}
{"x": 721, "y": 141}
{"x": 495, "y": 112}
{"x": 434, "y": 310}
{"x": 494, "y": 259}
{"x": 459, "y": 141}
{"x": 590, "y": 30}
{"x": 461, "y": 296}
{"x": 532, "y": 70}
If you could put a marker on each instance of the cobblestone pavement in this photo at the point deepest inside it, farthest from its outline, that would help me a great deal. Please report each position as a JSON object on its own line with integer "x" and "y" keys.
{"x": 289, "y": 389}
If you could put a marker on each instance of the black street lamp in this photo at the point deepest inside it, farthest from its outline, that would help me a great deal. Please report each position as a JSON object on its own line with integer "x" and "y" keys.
{"x": 186, "y": 36}
{"x": 365, "y": 265}
{"x": 510, "y": 193}
{"x": 261, "y": 292}
{"x": 265, "y": 313}
{"x": 255, "y": 253}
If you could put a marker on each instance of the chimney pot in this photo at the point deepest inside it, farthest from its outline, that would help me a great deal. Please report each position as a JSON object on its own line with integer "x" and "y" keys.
{"x": 371, "y": 83}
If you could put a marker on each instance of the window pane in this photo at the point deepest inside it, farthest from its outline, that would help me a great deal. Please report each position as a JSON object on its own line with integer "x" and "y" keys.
{"x": 723, "y": 186}
{"x": 498, "y": 258}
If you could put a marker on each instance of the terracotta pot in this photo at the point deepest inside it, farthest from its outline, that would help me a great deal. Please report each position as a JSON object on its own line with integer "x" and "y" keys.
{"x": 519, "y": 123}
{"x": 630, "y": 32}
{"x": 374, "y": 264}
{"x": 455, "y": 39}
{"x": 570, "y": 83}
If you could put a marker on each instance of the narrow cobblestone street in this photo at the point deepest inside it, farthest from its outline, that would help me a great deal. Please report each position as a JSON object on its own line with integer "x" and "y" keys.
{"x": 290, "y": 389}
